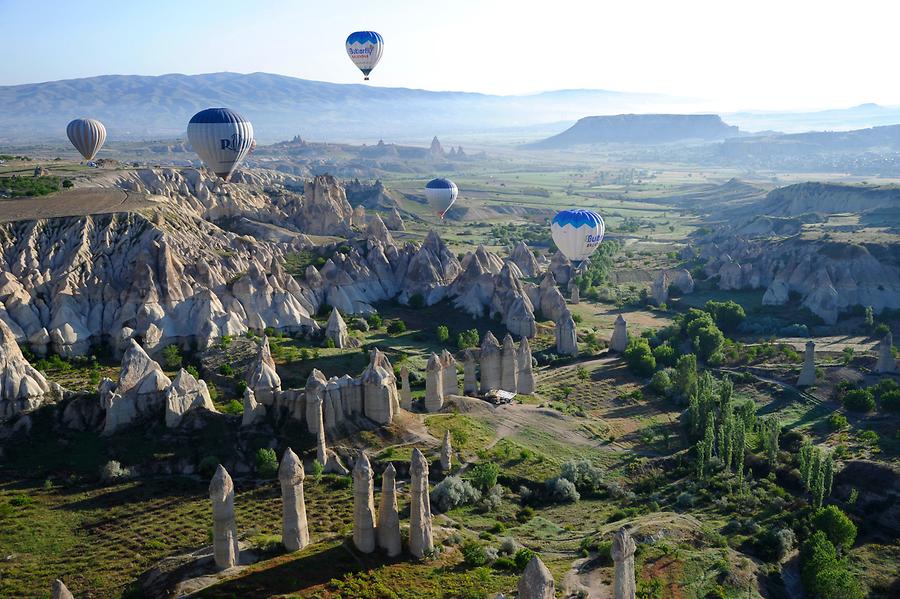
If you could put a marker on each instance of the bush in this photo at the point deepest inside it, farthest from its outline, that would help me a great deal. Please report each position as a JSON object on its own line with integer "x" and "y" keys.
{"x": 727, "y": 315}
{"x": 374, "y": 320}
{"x": 171, "y": 355}
{"x": 266, "y": 462}
{"x": 661, "y": 382}
{"x": 561, "y": 490}
{"x": 234, "y": 407}
{"x": 837, "y": 422}
{"x": 329, "y": 343}
{"x": 395, "y": 327}
{"x": 226, "y": 370}
{"x": 453, "y": 491}
{"x": 522, "y": 557}
{"x": 468, "y": 339}
{"x": 839, "y": 529}
{"x": 881, "y": 330}
{"x": 639, "y": 357}
{"x": 113, "y": 471}
{"x": 473, "y": 554}
{"x": 416, "y": 300}
{"x": 890, "y": 401}
{"x": 823, "y": 574}
{"x": 859, "y": 400}
{"x": 484, "y": 475}
{"x": 442, "y": 334}
{"x": 492, "y": 500}
{"x": 685, "y": 500}
{"x": 664, "y": 354}
{"x": 587, "y": 478}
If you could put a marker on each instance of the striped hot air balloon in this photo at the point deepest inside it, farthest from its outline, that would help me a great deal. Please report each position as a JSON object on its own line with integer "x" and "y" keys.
{"x": 222, "y": 138}
{"x": 441, "y": 193}
{"x": 87, "y": 135}
{"x": 577, "y": 234}
{"x": 365, "y": 48}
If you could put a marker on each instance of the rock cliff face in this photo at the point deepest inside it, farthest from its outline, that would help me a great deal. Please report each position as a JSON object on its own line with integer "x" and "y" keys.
{"x": 22, "y": 388}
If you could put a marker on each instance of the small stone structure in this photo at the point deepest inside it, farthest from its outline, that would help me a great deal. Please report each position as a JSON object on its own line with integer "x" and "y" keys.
{"x": 254, "y": 412}
{"x": 622, "y": 552}
{"x": 886, "y": 362}
{"x": 225, "y": 543}
{"x": 808, "y": 374}
{"x": 434, "y": 385}
{"x": 294, "y": 530}
{"x": 421, "y": 542}
{"x": 536, "y": 581}
{"x": 363, "y": 505}
{"x": 388, "y": 514}
{"x": 619, "y": 341}
{"x": 446, "y": 453}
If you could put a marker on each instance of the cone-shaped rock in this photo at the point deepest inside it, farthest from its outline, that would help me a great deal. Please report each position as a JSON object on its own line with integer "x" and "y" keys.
{"x": 421, "y": 542}
{"x": 808, "y": 374}
{"x": 576, "y": 295}
{"x": 315, "y": 397}
{"x": 446, "y": 453}
{"x": 490, "y": 363}
{"x": 622, "y": 552}
{"x": 405, "y": 391}
{"x": 294, "y": 531}
{"x": 253, "y": 412}
{"x": 225, "y": 543}
{"x": 363, "y": 505}
{"x": 449, "y": 378}
{"x": 566, "y": 341}
{"x": 336, "y": 330}
{"x": 470, "y": 378}
{"x": 536, "y": 581}
{"x": 509, "y": 367}
{"x": 59, "y": 591}
{"x": 619, "y": 341}
{"x": 262, "y": 376}
{"x": 388, "y": 515}
{"x": 434, "y": 385}
{"x": 525, "y": 380}
{"x": 886, "y": 362}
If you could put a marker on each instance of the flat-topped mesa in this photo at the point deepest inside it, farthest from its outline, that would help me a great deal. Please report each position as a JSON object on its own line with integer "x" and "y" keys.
{"x": 263, "y": 377}
{"x": 622, "y": 551}
{"x": 315, "y": 398}
{"x": 336, "y": 330}
{"x": 59, "y": 591}
{"x": 294, "y": 530}
{"x": 421, "y": 541}
{"x": 185, "y": 394}
{"x": 225, "y": 543}
{"x": 254, "y": 412}
{"x": 405, "y": 391}
{"x": 470, "y": 378}
{"x": 139, "y": 393}
{"x": 434, "y": 385}
{"x": 449, "y": 377}
{"x": 566, "y": 340}
{"x": 808, "y": 373}
{"x": 491, "y": 367}
{"x": 525, "y": 378}
{"x": 446, "y": 453}
{"x": 536, "y": 581}
{"x": 619, "y": 341}
{"x": 388, "y": 514}
{"x": 886, "y": 362}
{"x": 363, "y": 505}
{"x": 509, "y": 367}
{"x": 22, "y": 387}
{"x": 380, "y": 396}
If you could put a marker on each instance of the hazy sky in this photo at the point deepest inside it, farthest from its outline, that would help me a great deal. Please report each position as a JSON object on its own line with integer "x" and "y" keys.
{"x": 738, "y": 54}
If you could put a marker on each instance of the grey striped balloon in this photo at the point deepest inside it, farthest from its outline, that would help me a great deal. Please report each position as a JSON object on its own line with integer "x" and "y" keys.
{"x": 222, "y": 138}
{"x": 87, "y": 135}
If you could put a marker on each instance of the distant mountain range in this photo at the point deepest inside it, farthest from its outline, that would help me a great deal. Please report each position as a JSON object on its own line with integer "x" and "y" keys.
{"x": 641, "y": 129}
{"x": 137, "y": 107}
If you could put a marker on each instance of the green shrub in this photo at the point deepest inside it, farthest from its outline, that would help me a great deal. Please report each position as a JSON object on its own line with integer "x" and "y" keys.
{"x": 522, "y": 557}
{"x": 859, "y": 400}
{"x": 417, "y": 300}
{"x": 727, "y": 315}
{"x": 207, "y": 466}
{"x": 226, "y": 370}
{"x": 639, "y": 357}
{"x": 474, "y": 554}
{"x": 266, "y": 462}
{"x": 484, "y": 475}
{"x": 395, "y": 327}
{"x": 374, "y": 320}
{"x": 171, "y": 355}
{"x": 837, "y": 422}
{"x": 890, "y": 401}
{"x": 839, "y": 529}
{"x": 329, "y": 343}
{"x": 234, "y": 407}
{"x": 468, "y": 339}
{"x": 443, "y": 333}
{"x": 664, "y": 354}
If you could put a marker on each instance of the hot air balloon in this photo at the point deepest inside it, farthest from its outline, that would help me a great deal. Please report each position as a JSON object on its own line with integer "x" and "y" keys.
{"x": 577, "y": 234}
{"x": 365, "y": 48}
{"x": 87, "y": 135}
{"x": 222, "y": 138}
{"x": 441, "y": 193}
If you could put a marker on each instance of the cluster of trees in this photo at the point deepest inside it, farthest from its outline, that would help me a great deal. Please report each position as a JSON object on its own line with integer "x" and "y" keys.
{"x": 816, "y": 471}
{"x": 885, "y": 395}
{"x": 597, "y": 270}
{"x": 535, "y": 235}
{"x": 824, "y": 568}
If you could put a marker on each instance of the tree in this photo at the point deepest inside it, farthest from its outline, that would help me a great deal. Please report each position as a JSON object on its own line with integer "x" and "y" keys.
{"x": 395, "y": 327}
{"x": 266, "y": 462}
{"x": 468, "y": 339}
{"x": 639, "y": 357}
{"x": 484, "y": 475}
{"x": 442, "y": 334}
{"x": 727, "y": 315}
{"x": 417, "y": 300}
{"x": 374, "y": 320}
{"x": 870, "y": 316}
{"x": 172, "y": 356}
{"x": 664, "y": 354}
{"x": 686, "y": 375}
{"x": 859, "y": 400}
{"x": 771, "y": 430}
{"x": 839, "y": 529}
{"x": 708, "y": 341}
{"x": 823, "y": 574}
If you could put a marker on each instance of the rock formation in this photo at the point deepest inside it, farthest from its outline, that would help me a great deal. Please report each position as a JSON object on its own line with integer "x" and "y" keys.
{"x": 619, "y": 341}
{"x": 388, "y": 514}
{"x": 431, "y": 270}
{"x": 405, "y": 391}
{"x": 509, "y": 367}
{"x": 254, "y": 412}
{"x": 525, "y": 379}
{"x": 325, "y": 209}
{"x": 378, "y": 231}
{"x": 449, "y": 376}
{"x": 140, "y": 391}
{"x": 294, "y": 530}
{"x": 808, "y": 374}
{"x": 358, "y": 217}
{"x": 262, "y": 376}
{"x": 363, "y": 505}
{"x": 225, "y": 543}
{"x": 421, "y": 542}
{"x": 315, "y": 400}
{"x": 576, "y": 295}
{"x": 446, "y": 453}
{"x": 380, "y": 396}
{"x": 660, "y": 289}
{"x": 59, "y": 591}
{"x": 490, "y": 363}
{"x": 622, "y": 552}
{"x": 886, "y": 362}
{"x": 336, "y": 330}
{"x": 330, "y": 461}
{"x": 186, "y": 393}
{"x": 470, "y": 379}
{"x": 523, "y": 257}
{"x": 394, "y": 221}
{"x": 536, "y": 581}
{"x": 549, "y": 299}
{"x": 561, "y": 268}
{"x": 434, "y": 385}
{"x": 566, "y": 341}
{"x": 22, "y": 387}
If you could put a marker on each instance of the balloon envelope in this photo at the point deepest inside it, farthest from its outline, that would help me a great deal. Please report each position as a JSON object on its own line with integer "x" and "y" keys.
{"x": 222, "y": 138}
{"x": 441, "y": 193}
{"x": 365, "y": 48}
{"x": 87, "y": 135}
{"x": 577, "y": 233}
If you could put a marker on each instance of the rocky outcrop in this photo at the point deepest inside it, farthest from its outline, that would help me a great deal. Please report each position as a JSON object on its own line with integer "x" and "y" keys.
{"x": 886, "y": 362}
{"x": 59, "y": 591}
{"x": 446, "y": 453}
{"x": 434, "y": 385}
{"x": 380, "y": 395}
{"x": 225, "y": 542}
{"x": 185, "y": 394}
{"x": 405, "y": 391}
{"x": 431, "y": 271}
{"x": 660, "y": 289}
{"x": 536, "y": 581}
{"x": 378, "y": 231}
{"x": 294, "y": 529}
{"x": 619, "y": 341}
{"x": 262, "y": 377}
{"x": 324, "y": 209}
{"x": 388, "y": 514}
{"x": 421, "y": 541}
{"x": 525, "y": 379}
{"x": 509, "y": 367}
{"x": 449, "y": 377}
{"x": 561, "y": 269}
{"x": 315, "y": 400}
{"x": 394, "y": 221}
{"x": 254, "y": 412}
{"x": 575, "y": 296}
{"x": 524, "y": 258}
{"x": 622, "y": 551}
{"x": 808, "y": 373}
{"x": 336, "y": 330}
{"x": 470, "y": 379}
{"x": 139, "y": 393}
{"x": 550, "y": 300}
{"x": 491, "y": 367}
{"x": 363, "y": 505}
{"x": 330, "y": 461}
{"x": 22, "y": 387}
{"x": 566, "y": 341}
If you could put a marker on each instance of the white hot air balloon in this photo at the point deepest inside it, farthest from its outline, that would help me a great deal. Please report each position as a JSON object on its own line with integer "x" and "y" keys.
{"x": 87, "y": 135}
{"x": 441, "y": 193}
{"x": 365, "y": 48}
{"x": 577, "y": 234}
{"x": 222, "y": 138}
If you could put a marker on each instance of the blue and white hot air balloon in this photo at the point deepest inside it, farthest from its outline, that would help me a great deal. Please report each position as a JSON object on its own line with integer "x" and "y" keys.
{"x": 87, "y": 135}
{"x": 441, "y": 193}
{"x": 222, "y": 138}
{"x": 365, "y": 48}
{"x": 577, "y": 234}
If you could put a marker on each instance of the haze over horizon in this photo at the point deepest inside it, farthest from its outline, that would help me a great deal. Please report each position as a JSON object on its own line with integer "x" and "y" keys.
{"x": 776, "y": 57}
